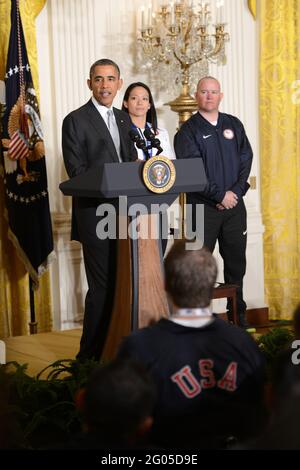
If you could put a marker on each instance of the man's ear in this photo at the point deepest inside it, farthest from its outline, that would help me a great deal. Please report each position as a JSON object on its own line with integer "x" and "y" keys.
{"x": 145, "y": 426}
{"x": 89, "y": 83}
{"x": 120, "y": 83}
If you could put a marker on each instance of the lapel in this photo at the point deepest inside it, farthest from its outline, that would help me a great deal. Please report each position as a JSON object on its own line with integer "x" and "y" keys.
{"x": 123, "y": 132}
{"x": 100, "y": 127}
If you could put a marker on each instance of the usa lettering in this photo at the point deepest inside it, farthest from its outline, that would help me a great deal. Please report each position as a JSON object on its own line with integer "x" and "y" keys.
{"x": 191, "y": 387}
{"x": 296, "y": 354}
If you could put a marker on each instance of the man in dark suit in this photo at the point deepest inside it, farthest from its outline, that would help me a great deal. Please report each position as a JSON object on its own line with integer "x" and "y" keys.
{"x": 92, "y": 135}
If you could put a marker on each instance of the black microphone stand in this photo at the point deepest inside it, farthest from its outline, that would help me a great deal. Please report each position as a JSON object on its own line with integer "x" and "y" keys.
{"x": 154, "y": 141}
{"x": 140, "y": 143}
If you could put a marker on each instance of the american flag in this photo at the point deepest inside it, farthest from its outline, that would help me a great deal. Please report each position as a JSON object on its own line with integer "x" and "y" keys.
{"x": 26, "y": 200}
{"x": 18, "y": 147}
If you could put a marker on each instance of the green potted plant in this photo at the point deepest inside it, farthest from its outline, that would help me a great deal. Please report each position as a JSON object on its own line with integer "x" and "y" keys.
{"x": 37, "y": 411}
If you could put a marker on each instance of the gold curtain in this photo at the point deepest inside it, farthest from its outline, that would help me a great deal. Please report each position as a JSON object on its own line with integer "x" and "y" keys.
{"x": 14, "y": 284}
{"x": 252, "y": 7}
{"x": 280, "y": 152}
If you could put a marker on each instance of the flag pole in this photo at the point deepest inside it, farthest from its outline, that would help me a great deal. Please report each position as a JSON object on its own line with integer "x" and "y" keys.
{"x": 23, "y": 160}
{"x": 32, "y": 323}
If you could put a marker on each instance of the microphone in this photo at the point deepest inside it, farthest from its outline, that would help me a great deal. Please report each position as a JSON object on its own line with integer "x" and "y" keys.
{"x": 139, "y": 142}
{"x": 134, "y": 135}
{"x": 155, "y": 142}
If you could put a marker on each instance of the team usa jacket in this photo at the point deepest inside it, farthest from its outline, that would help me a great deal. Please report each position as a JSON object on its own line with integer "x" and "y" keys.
{"x": 225, "y": 151}
{"x": 207, "y": 377}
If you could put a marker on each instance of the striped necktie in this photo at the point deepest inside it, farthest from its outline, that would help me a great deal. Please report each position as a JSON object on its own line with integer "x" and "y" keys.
{"x": 114, "y": 131}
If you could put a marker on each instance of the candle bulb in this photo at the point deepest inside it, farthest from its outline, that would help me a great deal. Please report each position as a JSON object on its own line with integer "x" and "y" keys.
{"x": 218, "y": 13}
{"x": 150, "y": 15}
{"x": 203, "y": 16}
{"x": 172, "y": 13}
{"x": 143, "y": 17}
{"x": 221, "y": 13}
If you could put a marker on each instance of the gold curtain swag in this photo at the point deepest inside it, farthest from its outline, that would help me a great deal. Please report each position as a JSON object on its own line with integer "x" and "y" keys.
{"x": 279, "y": 90}
{"x": 252, "y": 7}
{"x": 14, "y": 283}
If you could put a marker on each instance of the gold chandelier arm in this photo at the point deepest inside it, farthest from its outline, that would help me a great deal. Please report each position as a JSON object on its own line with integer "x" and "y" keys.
{"x": 217, "y": 49}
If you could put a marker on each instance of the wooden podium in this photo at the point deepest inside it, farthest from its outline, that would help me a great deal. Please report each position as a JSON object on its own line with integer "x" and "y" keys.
{"x": 139, "y": 296}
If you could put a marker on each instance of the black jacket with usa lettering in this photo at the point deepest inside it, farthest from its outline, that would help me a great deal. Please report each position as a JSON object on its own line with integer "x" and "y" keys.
{"x": 209, "y": 380}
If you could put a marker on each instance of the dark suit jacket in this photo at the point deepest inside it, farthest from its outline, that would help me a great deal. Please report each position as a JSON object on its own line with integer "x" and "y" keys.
{"x": 87, "y": 143}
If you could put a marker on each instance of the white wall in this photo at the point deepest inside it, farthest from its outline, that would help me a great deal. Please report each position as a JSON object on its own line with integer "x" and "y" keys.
{"x": 71, "y": 35}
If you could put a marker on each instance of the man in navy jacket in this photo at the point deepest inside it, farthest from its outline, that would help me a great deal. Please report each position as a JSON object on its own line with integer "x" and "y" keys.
{"x": 209, "y": 374}
{"x": 220, "y": 140}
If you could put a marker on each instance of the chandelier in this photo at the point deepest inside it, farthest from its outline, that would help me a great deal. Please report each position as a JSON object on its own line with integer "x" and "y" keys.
{"x": 176, "y": 42}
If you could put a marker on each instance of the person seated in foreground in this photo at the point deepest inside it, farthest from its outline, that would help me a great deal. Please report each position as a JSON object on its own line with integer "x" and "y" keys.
{"x": 117, "y": 406}
{"x": 283, "y": 398}
{"x": 209, "y": 373}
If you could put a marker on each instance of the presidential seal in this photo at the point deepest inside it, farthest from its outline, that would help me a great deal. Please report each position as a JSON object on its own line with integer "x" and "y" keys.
{"x": 159, "y": 174}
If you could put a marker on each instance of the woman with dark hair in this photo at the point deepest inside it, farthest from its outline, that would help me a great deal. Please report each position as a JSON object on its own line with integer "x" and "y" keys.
{"x": 138, "y": 103}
